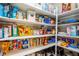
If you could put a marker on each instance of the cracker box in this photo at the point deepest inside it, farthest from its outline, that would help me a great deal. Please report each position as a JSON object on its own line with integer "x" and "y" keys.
{"x": 65, "y": 7}
{"x": 1, "y": 31}
{"x": 14, "y": 31}
{"x": 10, "y": 30}
{"x": 6, "y": 34}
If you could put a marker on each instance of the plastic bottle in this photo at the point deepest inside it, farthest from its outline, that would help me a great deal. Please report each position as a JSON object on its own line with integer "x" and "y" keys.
{"x": 14, "y": 11}
{"x": 1, "y": 9}
{"x": 6, "y": 10}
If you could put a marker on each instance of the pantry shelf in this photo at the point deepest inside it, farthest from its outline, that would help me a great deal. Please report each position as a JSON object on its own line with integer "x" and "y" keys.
{"x": 25, "y": 22}
{"x": 29, "y": 50}
{"x": 69, "y": 36}
{"x": 69, "y": 13}
{"x": 69, "y": 48}
{"x": 68, "y": 24}
{"x": 24, "y": 37}
{"x": 38, "y": 10}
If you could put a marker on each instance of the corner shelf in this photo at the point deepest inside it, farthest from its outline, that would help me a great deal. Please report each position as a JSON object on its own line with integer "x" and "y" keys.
{"x": 24, "y": 37}
{"x": 68, "y": 13}
{"x": 27, "y": 6}
{"x": 21, "y": 21}
{"x": 68, "y": 24}
{"x": 28, "y": 50}
{"x": 69, "y": 36}
{"x": 69, "y": 48}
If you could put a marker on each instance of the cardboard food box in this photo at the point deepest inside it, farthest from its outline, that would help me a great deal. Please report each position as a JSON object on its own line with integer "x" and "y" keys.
{"x": 31, "y": 16}
{"x": 65, "y": 7}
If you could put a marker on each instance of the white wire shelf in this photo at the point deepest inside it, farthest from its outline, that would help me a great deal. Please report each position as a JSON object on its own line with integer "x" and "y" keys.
{"x": 29, "y": 50}
{"x": 68, "y": 24}
{"x": 69, "y": 36}
{"x": 25, "y": 37}
{"x": 28, "y": 6}
{"x": 21, "y": 21}
{"x": 69, "y": 48}
{"x": 68, "y": 13}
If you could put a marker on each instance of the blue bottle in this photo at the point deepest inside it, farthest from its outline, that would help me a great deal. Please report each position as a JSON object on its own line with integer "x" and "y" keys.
{"x": 1, "y": 9}
{"x": 47, "y": 20}
{"x": 14, "y": 11}
{"x": 6, "y": 10}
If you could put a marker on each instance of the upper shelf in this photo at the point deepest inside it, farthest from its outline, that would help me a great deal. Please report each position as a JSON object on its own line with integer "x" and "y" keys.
{"x": 69, "y": 13}
{"x": 25, "y": 22}
{"x": 28, "y": 6}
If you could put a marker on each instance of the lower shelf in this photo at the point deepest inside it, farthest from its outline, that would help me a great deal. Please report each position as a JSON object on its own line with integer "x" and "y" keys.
{"x": 69, "y": 48}
{"x": 29, "y": 50}
{"x": 69, "y": 36}
{"x": 24, "y": 37}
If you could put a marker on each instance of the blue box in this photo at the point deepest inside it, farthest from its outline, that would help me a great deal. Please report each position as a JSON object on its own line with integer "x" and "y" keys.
{"x": 73, "y": 30}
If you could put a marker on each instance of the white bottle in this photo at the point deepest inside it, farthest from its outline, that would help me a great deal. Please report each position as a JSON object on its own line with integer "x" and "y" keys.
{"x": 31, "y": 15}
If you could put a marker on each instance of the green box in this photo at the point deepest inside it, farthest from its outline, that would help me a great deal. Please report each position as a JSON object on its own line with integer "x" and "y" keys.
{"x": 14, "y": 31}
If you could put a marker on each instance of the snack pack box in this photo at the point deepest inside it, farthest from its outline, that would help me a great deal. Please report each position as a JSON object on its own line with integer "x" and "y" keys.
{"x": 14, "y": 30}
{"x": 1, "y": 31}
{"x": 68, "y": 31}
{"x": 7, "y": 30}
{"x": 10, "y": 30}
{"x": 6, "y": 34}
{"x": 73, "y": 31}
{"x": 24, "y": 43}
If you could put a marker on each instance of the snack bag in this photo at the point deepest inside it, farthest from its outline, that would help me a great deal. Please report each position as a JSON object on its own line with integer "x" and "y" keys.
{"x": 19, "y": 42}
{"x": 15, "y": 45}
{"x": 5, "y": 47}
{"x": 21, "y": 30}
